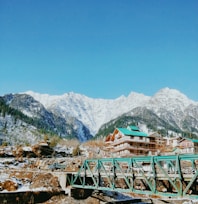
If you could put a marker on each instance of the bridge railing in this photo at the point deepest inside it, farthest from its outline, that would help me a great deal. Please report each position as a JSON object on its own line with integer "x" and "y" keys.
{"x": 175, "y": 175}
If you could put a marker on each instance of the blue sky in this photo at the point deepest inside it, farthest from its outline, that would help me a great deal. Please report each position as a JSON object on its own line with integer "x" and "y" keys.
{"x": 99, "y": 48}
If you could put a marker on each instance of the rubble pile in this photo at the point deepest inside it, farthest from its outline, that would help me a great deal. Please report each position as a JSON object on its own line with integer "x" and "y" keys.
{"x": 40, "y": 150}
{"x": 74, "y": 165}
{"x": 32, "y": 181}
{"x": 8, "y": 185}
{"x": 45, "y": 181}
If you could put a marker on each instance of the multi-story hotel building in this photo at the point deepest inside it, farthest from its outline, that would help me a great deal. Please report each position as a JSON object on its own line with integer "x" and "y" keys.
{"x": 130, "y": 141}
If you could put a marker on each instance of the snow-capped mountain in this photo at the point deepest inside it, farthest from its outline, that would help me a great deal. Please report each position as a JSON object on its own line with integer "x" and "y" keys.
{"x": 93, "y": 113}
{"x": 41, "y": 118}
{"x": 79, "y": 115}
{"x": 171, "y": 100}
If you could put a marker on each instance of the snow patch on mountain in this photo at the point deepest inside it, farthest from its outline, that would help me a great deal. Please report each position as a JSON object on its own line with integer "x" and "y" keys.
{"x": 18, "y": 131}
{"x": 93, "y": 113}
{"x": 170, "y": 99}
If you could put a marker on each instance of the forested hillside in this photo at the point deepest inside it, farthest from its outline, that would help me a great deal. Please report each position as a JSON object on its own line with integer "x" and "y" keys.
{"x": 146, "y": 120}
{"x": 18, "y": 115}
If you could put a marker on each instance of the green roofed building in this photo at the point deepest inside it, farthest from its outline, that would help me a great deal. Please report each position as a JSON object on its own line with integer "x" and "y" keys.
{"x": 130, "y": 141}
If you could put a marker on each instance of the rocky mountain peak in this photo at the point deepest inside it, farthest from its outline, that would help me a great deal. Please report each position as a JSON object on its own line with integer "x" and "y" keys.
{"x": 170, "y": 99}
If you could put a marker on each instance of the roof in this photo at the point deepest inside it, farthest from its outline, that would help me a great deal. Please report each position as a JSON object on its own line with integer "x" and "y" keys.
{"x": 128, "y": 132}
{"x": 133, "y": 128}
{"x": 193, "y": 140}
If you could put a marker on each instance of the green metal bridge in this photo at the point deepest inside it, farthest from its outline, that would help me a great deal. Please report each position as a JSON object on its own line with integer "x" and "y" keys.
{"x": 163, "y": 176}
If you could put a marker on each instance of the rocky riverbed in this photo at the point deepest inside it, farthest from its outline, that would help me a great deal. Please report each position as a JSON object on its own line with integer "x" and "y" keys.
{"x": 32, "y": 178}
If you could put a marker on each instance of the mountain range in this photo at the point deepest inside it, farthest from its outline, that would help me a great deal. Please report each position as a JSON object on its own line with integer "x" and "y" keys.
{"x": 79, "y": 116}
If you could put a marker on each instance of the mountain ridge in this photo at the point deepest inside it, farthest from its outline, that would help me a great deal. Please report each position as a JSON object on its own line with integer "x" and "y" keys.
{"x": 83, "y": 117}
{"x": 96, "y": 112}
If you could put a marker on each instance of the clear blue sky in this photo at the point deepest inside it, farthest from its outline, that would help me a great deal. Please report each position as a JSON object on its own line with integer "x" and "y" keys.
{"x": 99, "y": 48}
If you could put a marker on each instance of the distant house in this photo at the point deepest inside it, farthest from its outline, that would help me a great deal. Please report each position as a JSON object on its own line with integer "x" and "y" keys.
{"x": 173, "y": 141}
{"x": 160, "y": 141}
{"x": 181, "y": 145}
{"x": 130, "y": 141}
{"x": 188, "y": 146}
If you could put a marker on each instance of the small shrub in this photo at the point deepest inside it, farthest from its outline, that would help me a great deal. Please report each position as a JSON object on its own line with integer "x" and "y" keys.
{"x": 76, "y": 151}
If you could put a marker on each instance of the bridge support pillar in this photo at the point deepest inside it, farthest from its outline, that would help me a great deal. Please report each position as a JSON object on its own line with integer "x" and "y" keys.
{"x": 62, "y": 178}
